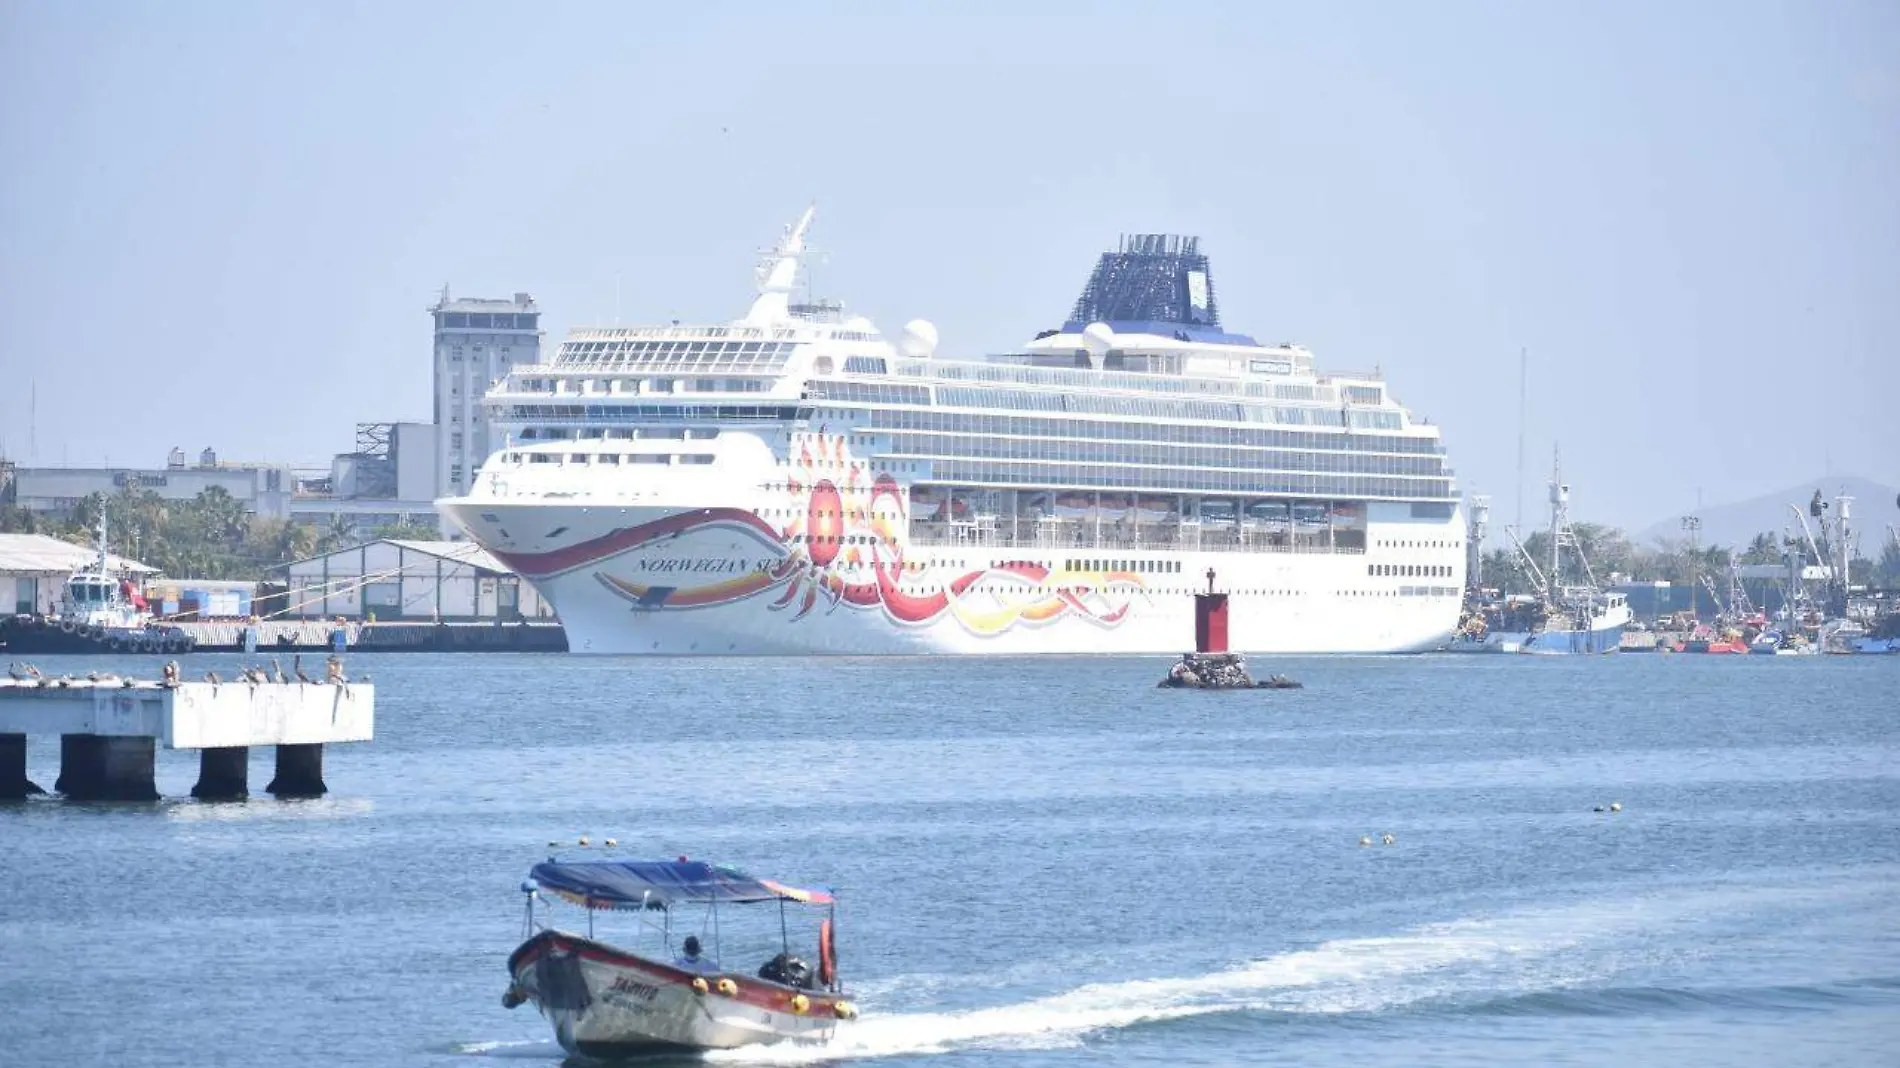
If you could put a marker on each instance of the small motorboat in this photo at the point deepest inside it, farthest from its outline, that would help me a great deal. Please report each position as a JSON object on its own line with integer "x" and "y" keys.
{"x": 679, "y": 991}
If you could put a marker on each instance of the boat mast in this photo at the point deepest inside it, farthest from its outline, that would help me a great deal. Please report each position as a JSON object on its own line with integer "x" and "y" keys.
{"x": 1559, "y": 497}
{"x": 1523, "y": 388}
{"x": 1474, "y": 542}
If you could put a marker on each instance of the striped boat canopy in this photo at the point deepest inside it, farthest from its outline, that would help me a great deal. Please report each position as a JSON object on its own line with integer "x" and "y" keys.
{"x": 661, "y": 884}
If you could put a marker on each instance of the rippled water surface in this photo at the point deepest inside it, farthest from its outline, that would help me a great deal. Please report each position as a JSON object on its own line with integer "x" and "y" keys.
{"x": 1041, "y": 862}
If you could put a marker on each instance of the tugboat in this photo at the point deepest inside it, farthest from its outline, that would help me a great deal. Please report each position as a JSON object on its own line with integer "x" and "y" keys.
{"x": 98, "y": 611}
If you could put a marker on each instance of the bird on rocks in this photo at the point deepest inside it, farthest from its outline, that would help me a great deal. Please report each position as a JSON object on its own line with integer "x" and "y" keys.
{"x": 296, "y": 665}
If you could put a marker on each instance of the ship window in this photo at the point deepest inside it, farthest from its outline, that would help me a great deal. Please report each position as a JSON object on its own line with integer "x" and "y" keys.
{"x": 577, "y": 457}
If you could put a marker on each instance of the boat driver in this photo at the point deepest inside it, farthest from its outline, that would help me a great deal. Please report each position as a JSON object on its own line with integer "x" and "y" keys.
{"x": 690, "y": 958}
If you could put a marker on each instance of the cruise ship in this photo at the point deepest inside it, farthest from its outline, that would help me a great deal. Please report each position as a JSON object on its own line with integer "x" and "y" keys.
{"x": 797, "y": 482}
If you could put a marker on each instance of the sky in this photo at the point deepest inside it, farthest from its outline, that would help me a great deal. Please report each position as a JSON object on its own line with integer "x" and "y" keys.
{"x": 221, "y": 224}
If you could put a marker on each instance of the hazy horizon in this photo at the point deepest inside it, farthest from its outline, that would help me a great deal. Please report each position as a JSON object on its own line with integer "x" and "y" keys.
{"x": 222, "y": 223}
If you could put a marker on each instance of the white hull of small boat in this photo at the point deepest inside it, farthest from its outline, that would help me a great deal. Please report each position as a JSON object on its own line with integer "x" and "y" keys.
{"x": 607, "y": 1003}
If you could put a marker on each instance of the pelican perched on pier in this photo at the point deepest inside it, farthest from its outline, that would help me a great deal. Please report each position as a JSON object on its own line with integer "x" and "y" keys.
{"x": 296, "y": 665}
{"x": 277, "y": 671}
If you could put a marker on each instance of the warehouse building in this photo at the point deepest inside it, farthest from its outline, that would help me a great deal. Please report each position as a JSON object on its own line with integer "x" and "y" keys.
{"x": 395, "y": 580}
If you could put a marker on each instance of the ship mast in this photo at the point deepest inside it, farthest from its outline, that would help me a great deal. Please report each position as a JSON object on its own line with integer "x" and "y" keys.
{"x": 778, "y": 273}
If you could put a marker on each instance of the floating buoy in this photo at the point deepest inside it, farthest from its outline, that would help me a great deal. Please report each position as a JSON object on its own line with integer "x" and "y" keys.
{"x": 800, "y": 1004}
{"x": 699, "y": 984}
{"x": 1387, "y": 839}
{"x": 728, "y": 987}
{"x": 1365, "y": 839}
{"x": 1616, "y": 806}
{"x": 611, "y": 842}
{"x": 554, "y": 845}
{"x": 845, "y": 1010}
{"x": 1596, "y": 808}
{"x": 582, "y": 840}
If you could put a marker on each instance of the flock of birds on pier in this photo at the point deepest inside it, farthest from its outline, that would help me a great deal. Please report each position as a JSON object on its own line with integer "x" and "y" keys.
{"x": 255, "y": 675}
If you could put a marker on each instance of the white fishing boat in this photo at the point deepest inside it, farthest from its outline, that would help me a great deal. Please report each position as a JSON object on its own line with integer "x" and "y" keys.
{"x": 1562, "y": 618}
{"x": 677, "y": 987}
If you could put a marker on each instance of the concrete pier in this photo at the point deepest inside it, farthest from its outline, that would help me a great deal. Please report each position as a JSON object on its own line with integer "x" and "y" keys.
{"x": 110, "y": 731}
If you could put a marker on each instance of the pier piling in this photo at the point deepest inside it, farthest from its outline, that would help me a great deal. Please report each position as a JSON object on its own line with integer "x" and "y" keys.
{"x": 109, "y": 767}
{"x": 68, "y": 758}
{"x": 223, "y": 774}
{"x": 299, "y": 771}
{"x": 14, "y": 785}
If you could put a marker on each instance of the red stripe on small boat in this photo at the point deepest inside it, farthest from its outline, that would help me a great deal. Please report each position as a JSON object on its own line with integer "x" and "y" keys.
{"x": 751, "y": 991}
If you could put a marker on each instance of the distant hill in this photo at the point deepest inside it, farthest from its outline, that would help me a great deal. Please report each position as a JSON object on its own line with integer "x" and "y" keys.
{"x": 1734, "y": 524}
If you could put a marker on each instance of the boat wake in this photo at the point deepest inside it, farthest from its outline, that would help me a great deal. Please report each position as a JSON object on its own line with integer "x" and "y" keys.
{"x": 1562, "y": 959}
{"x": 1516, "y": 954}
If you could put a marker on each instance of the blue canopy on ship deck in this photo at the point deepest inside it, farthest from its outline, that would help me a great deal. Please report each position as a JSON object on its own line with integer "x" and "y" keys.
{"x": 660, "y": 884}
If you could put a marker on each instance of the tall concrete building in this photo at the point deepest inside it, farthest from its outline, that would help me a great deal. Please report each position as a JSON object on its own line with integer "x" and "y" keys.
{"x": 476, "y": 343}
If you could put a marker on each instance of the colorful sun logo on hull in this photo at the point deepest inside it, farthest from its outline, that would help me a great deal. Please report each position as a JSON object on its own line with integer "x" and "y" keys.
{"x": 842, "y": 546}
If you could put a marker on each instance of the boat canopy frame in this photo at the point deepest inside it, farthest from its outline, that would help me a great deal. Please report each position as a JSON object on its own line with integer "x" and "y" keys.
{"x": 676, "y": 885}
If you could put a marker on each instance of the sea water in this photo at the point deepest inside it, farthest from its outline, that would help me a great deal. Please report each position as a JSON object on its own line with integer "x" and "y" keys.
{"x": 1040, "y": 862}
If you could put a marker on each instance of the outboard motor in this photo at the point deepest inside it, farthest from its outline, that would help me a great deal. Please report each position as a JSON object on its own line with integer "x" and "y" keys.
{"x": 787, "y": 970}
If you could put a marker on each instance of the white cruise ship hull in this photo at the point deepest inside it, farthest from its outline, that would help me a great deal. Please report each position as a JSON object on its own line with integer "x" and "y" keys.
{"x": 720, "y": 581}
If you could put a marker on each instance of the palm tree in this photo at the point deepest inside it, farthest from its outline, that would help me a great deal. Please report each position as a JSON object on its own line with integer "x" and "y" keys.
{"x": 297, "y": 541}
{"x": 1763, "y": 548}
{"x": 337, "y": 533}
